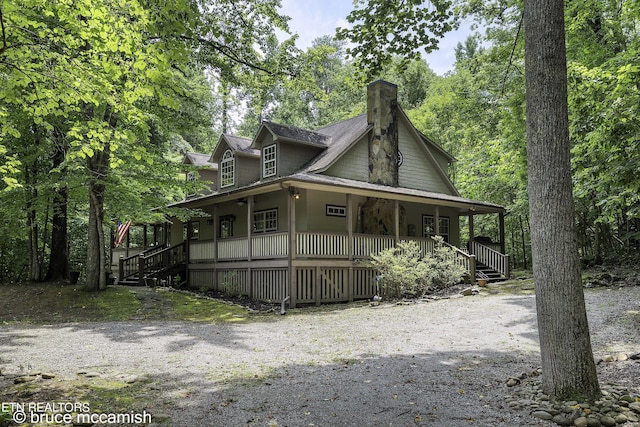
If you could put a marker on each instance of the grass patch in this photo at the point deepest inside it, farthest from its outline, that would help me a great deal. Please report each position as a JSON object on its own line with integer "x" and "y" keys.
{"x": 195, "y": 309}
{"x": 61, "y": 303}
{"x": 117, "y": 303}
{"x": 96, "y": 395}
{"x": 523, "y": 286}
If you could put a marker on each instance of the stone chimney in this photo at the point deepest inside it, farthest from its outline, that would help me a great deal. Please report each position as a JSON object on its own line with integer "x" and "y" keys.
{"x": 382, "y": 113}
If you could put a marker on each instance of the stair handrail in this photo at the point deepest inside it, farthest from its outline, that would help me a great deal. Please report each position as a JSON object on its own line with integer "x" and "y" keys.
{"x": 135, "y": 264}
{"x": 129, "y": 266}
{"x": 158, "y": 263}
{"x": 468, "y": 260}
{"x": 490, "y": 257}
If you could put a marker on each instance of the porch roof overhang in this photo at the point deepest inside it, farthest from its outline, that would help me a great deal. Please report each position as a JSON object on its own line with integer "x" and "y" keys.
{"x": 312, "y": 181}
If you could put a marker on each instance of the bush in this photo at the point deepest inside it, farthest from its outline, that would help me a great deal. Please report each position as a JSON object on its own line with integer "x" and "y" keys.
{"x": 405, "y": 272}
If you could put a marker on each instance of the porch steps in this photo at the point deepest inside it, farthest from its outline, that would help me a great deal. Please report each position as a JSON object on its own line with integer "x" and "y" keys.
{"x": 487, "y": 273}
{"x": 151, "y": 275}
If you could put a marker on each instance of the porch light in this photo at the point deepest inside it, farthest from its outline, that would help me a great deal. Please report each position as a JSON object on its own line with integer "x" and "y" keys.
{"x": 241, "y": 202}
{"x": 295, "y": 194}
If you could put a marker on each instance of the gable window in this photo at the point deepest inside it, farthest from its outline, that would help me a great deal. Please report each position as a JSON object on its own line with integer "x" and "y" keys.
{"x": 227, "y": 169}
{"x": 269, "y": 161}
{"x": 265, "y": 221}
{"x": 428, "y": 227}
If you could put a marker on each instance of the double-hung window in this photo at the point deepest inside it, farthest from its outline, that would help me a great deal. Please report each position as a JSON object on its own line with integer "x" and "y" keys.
{"x": 269, "y": 161}
{"x": 227, "y": 169}
{"x": 429, "y": 229}
{"x": 226, "y": 226}
{"x": 265, "y": 221}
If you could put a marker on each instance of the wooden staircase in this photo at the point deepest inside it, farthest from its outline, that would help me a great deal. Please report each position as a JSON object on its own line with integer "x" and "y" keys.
{"x": 154, "y": 267}
{"x": 484, "y": 272}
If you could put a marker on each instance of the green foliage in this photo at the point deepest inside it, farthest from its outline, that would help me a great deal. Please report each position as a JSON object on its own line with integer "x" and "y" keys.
{"x": 119, "y": 87}
{"x": 323, "y": 92}
{"x": 382, "y": 29}
{"x": 406, "y": 272}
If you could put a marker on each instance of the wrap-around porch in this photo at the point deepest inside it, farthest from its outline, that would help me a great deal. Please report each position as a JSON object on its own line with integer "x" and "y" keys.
{"x": 310, "y": 245}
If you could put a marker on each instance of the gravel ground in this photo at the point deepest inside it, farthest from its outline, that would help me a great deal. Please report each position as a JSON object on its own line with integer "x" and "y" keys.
{"x": 437, "y": 363}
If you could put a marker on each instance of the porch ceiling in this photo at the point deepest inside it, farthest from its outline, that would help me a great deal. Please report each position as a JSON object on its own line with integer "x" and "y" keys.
{"x": 332, "y": 184}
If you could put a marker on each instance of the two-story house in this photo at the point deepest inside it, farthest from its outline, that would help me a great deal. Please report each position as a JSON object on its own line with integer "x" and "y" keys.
{"x": 295, "y": 211}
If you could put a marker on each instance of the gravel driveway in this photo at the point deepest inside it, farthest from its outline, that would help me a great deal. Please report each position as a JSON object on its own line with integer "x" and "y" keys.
{"x": 437, "y": 363}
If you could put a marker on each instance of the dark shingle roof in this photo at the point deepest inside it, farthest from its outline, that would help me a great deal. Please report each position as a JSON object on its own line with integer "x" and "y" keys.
{"x": 200, "y": 160}
{"x": 343, "y": 135}
{"x": 241, "y": 145}
{"x": 296, "y": 134}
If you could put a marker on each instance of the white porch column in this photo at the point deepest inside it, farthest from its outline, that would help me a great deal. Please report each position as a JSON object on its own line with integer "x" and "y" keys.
{"x": 249, "y": 226}
{"x": 349, "y": 226}
{"x": 291, "y": 205}
{"x": 249, "y": 244}
{"x": 350, "y": 246}
{"x": 215, "y": 233}
{"x": 501, "y": 225}
{"x": 396, "y": 221}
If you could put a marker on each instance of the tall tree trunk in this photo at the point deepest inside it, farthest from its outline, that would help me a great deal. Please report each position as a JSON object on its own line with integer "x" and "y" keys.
{"x": 59, "y": 256}
{"x": 568, "y": 369}
{"x": 35, "y": 266}
{"x": 98, "y": 166}
{"x": 96, "y": 262}
{"x": 225, "y": 106}
{"x": 35, "y": 270}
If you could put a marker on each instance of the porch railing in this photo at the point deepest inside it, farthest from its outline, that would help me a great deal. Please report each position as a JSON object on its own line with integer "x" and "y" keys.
{"x": 233, "y": 248}
{"x": 494, "y": 259}
{"x": 152, "y": 262}
{"x": 332, "y": 245}
{"x": 365, "y": 244}
{"x": 465, "y": 259}
{"x": 270, "y": 245}
{"x": 308, "y": 244}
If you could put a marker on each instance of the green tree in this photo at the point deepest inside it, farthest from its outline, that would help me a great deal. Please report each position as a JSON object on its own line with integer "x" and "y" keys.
{"x": 568, "y": 367}
{"x": 322, "y": 92}
{"x": 382, "y": 29}
{"x": 101, "y": 77}
{"x": 603, "y": 102}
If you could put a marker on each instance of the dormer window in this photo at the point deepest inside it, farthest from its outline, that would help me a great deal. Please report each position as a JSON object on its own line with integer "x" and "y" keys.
{"x": 227, "y": 169}
{"x": 269, "y": 161}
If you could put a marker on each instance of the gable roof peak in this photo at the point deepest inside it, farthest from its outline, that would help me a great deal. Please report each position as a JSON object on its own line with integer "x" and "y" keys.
{"x": 199, "y": 160}
{"x": 237, "y": 144}
{"x": 294, "y": 134}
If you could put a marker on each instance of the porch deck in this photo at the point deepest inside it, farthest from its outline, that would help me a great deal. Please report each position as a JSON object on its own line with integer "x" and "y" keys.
{"x": 325, "y": 267}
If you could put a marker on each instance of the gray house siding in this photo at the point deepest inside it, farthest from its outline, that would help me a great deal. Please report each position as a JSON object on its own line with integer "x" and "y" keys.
{"x": 354, "y": 164}
{"x": 247, "y": 170}
{"x": 418, "y": 170}
{"x": 292, "y": 156}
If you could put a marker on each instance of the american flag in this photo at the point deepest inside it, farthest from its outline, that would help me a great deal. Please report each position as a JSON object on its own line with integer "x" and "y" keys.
{"x": 121, "y": 232}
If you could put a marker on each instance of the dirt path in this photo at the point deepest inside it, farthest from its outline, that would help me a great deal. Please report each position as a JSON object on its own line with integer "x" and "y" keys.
{"x": 441, "y": 363}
